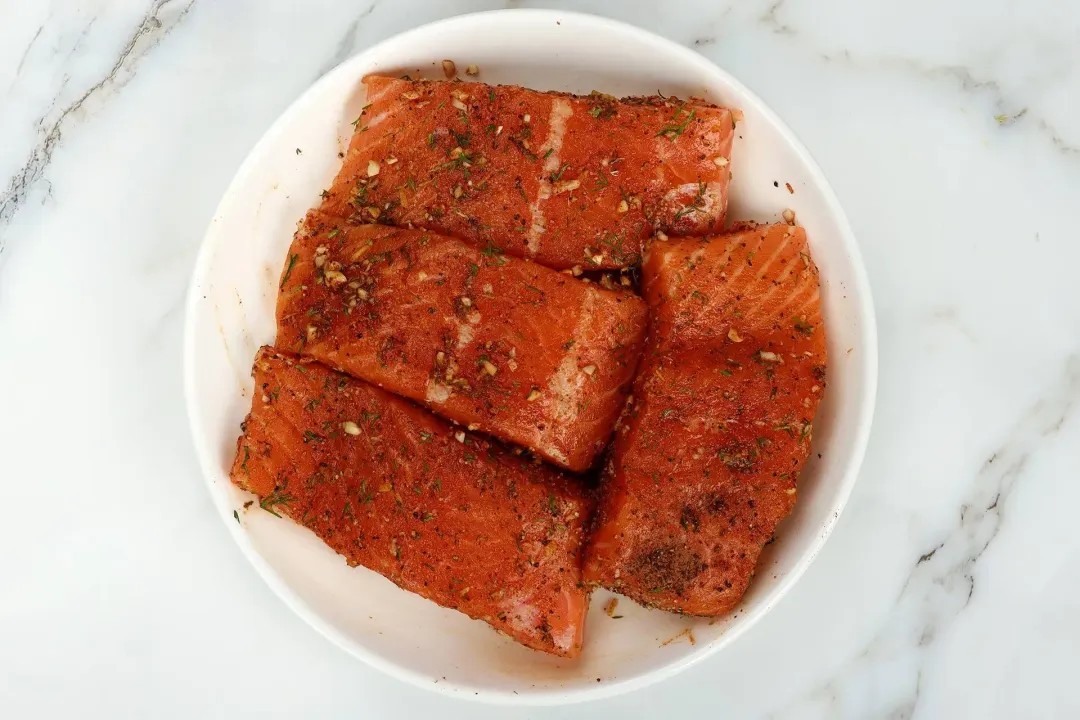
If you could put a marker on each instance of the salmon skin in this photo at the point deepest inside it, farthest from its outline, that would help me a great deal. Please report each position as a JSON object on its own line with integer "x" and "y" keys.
{"x": 706, "y": 459}
{"x": 502, "y": 345}
{"x": 441, "y": 512}
{"x": 562, "y": 179}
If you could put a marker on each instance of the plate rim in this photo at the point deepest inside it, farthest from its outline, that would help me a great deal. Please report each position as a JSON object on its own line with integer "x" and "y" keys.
{"x": 866, "y": 328}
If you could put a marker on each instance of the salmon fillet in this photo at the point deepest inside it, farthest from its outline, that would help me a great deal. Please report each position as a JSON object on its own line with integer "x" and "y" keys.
{"x": 706, "y": 459}
{"x": 562, "y": 179}
{"x": 443, "y": 513}
{"x": 502, "y": 345}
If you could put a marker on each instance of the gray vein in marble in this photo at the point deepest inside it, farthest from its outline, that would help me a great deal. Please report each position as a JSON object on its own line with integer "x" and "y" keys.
{"x": 163, "y": 327}
{"x": 714, "y": 29}
{"x": 948, "y": 317}
{"x": 770, "y": 19}
{"x": 26, "y": 52}
{"x": 1006, "y": 112}
{"x": 906, "y": 711}
{"x": 147, "y": 36}
{"x": 941, "y": 583}
{"x": 77, "y": 45}
{"x": 1056, "y": 139}
{"x": 346, "y": 44}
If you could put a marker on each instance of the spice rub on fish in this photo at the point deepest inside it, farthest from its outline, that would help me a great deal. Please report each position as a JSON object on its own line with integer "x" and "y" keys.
{"x": 562, "y": 179}
{"x": 496, "y": 343}
{"x": 448, "y": 515}
{"x": 705, "y": 462}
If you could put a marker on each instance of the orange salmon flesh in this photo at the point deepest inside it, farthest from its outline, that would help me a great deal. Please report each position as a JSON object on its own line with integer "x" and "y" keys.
{"x": 562, "y": 179}
{"x": 449, "y": 515}
{"x": 498, "y": 344}
{"x": 706, "y": 460}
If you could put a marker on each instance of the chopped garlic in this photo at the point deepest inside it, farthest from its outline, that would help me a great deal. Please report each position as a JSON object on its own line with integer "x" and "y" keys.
{"x": 567, "y": 186}
{"x": 335, "y": 278}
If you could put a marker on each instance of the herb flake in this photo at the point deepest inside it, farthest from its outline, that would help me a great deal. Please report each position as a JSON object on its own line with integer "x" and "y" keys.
{"x": 673, "y": 131}
{"x": 275, "y": 498}
{"x": 293, "y": 257}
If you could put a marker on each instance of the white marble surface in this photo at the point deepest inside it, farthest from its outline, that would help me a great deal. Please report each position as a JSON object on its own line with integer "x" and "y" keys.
{"x": 951, "y": 132}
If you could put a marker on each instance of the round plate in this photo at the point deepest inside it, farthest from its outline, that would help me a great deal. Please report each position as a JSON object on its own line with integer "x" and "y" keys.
{"x": 230, "y": 314}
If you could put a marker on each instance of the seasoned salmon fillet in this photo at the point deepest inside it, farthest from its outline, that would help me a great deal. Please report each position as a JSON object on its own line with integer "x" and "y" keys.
{"x": 441, "y": 512}
{"x": 499, "y": 344}
{"x": 706, "y": 460}
{"x": 562, "y": 179}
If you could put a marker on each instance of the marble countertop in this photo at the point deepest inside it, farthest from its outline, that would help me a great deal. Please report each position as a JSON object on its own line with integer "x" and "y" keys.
{"x": 951, "y": 133}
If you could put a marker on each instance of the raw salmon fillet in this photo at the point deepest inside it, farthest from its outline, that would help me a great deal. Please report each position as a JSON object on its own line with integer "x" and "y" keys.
{"x": 562, "y": 179}
{"x": 441, "y": 512}
{"x": 502, "y": 345}
{"x": 706, "y": 459}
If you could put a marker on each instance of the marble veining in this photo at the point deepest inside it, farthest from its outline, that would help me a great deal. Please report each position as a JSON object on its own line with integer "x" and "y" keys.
{"x": 771, "y": 19}
{"x": 1006, "y": 111}
{"x": 942, "y": 581}
{"x": 346, "y": 46}
{"x": 951, "y": 133}
{"x": 159, "y": 20}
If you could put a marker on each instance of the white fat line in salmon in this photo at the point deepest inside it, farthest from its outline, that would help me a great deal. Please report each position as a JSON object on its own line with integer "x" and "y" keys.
{"x": 561, "y": 111}
{"x": 798, "y": 288}
{"x": 566, "y": 386}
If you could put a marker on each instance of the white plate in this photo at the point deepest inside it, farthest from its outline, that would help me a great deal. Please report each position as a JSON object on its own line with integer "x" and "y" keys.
{"x": 231, "y": 313}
